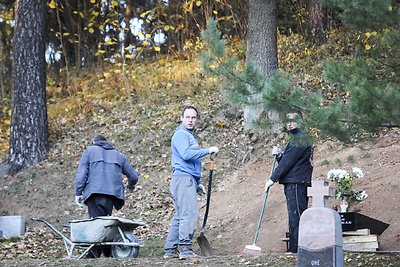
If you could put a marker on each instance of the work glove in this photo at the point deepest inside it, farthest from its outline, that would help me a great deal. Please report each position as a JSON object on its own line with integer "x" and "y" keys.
{"x": 268, "y": 184}
{"x": 131, "y": 186}
{"x": 79, "y": 201}
{"x": 276, "y": 151}
{"x": 201, "y": 190}
{"x": 213, "y": 149}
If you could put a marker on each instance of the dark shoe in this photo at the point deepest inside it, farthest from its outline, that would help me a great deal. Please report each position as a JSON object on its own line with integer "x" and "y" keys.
{"x": 107, "y": 251}
{"x": 187, "y": 253}
{"x": 93, "y": 253}
{"x": 171, "y": 253}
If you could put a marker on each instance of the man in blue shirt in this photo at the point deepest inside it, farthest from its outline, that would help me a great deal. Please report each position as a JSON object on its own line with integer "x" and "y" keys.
{"x": 185, "y": 182}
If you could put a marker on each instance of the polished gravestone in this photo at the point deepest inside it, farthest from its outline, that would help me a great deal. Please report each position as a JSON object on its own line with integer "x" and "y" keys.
{"x": 320, "y": 231}
{"x": 352, "y": 221}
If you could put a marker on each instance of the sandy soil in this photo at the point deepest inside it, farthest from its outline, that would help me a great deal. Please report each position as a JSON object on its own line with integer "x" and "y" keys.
{"x": 237, "y": 202}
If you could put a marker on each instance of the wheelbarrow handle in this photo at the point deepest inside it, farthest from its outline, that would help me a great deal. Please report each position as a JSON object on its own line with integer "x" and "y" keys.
{"x": 52, "y": 228}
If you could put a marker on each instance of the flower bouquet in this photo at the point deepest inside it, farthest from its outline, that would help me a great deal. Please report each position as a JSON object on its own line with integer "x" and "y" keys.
{"x": 344, "y": 183}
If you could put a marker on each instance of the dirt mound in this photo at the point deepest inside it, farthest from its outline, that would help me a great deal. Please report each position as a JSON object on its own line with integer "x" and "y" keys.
{"x": 237, "y": 200}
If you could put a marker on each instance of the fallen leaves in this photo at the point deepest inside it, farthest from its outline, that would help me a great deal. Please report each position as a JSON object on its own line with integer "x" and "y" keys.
{"x": 36, "y": 243}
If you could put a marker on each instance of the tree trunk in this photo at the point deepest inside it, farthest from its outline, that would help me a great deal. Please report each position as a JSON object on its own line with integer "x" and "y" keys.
{"x": 5, "y": 63}
{"x": 316, "y": 28}
{"x": 262, "y": 48}
{"x": 29, "y": 132}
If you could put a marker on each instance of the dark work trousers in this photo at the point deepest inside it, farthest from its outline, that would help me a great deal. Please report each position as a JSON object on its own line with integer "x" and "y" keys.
{"x": 100, "y": 205}
{"x": 297, "y": 202}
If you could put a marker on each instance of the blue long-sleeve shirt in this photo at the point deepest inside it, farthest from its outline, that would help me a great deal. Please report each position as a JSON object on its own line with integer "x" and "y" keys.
{"x": 186, "y": 153}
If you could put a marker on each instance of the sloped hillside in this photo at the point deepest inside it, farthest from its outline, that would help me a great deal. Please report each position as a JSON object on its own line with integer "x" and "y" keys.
{"x": 242, "y": 166}
{"x": 138, "y": 118}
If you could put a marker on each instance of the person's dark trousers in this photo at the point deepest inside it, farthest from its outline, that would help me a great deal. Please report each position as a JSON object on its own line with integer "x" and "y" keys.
{"x": 297, "y": 202}
{"x": 100, "y": 205}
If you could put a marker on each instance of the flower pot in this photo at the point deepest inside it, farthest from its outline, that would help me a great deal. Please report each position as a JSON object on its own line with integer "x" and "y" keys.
{"x": 344, "y": 207}
{"x": 344, "y": 203}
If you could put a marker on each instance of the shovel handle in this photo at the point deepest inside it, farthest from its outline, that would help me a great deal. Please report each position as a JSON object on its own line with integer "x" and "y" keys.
{"x": 208, "y": 192}
{"x": 212, "y": 157}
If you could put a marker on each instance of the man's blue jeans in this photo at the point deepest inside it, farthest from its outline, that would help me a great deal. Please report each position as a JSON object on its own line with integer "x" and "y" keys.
{"x": 183, "y": 224}
{"x": 297, "y": 202}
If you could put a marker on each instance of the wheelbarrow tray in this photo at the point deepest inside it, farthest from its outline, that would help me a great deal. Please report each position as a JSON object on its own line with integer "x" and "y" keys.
{"x": 100, "y": 229}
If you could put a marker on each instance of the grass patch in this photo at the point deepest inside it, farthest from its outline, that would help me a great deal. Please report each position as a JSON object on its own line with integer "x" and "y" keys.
{"x": 153, "y": 247}
{"x": 325, "y": 162}
{"x": 351, "y": 159}
{"x": 338, "y": 162}
{"x": 10, "y": 240}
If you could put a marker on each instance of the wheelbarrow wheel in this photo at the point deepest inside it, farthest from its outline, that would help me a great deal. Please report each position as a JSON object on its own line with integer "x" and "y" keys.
{"x": 121, "y": 251}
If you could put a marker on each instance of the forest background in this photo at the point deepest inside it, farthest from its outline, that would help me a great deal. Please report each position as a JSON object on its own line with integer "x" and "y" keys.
{"x": 125, "y": 68}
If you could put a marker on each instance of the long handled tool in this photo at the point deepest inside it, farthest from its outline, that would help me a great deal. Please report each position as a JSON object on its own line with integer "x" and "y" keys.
{"x": 201, "y": 239}
{"x": 253, "y": 249}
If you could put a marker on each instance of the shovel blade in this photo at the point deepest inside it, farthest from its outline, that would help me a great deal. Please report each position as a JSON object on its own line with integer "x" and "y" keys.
{"x": 205, "y": 245}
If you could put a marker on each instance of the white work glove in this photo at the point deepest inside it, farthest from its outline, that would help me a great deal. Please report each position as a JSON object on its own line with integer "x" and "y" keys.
{"x": 79, "y": 201}
{"x": 213, "y": 149}
{"x": 276, "y": 151}
{"x": 268, "y": 184}
{"x": 201, "y": 190}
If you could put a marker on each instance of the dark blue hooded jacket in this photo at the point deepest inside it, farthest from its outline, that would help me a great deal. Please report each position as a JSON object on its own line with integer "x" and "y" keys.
{"x": 296, "y": 164}
{"x": 100, "y": 172}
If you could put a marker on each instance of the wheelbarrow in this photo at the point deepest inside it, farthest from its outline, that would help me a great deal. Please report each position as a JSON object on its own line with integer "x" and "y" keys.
{"x": 100, "y": 231}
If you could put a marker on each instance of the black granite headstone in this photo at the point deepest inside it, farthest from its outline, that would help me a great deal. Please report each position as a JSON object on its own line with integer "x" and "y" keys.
{"x": 352, "y": 221}
{"x": 320, "y": 257}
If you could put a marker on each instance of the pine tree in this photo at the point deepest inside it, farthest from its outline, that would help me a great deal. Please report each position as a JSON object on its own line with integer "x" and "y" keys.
{"x": 371, "y": 80}
{"x": 367, "y": 88}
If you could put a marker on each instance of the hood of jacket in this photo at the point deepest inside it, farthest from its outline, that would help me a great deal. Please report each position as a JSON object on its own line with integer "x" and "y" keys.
{"x": 104, "y": 144}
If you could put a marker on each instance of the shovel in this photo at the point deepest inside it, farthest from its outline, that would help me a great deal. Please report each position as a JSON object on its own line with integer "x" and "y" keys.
{"x": 201, "y": 239}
